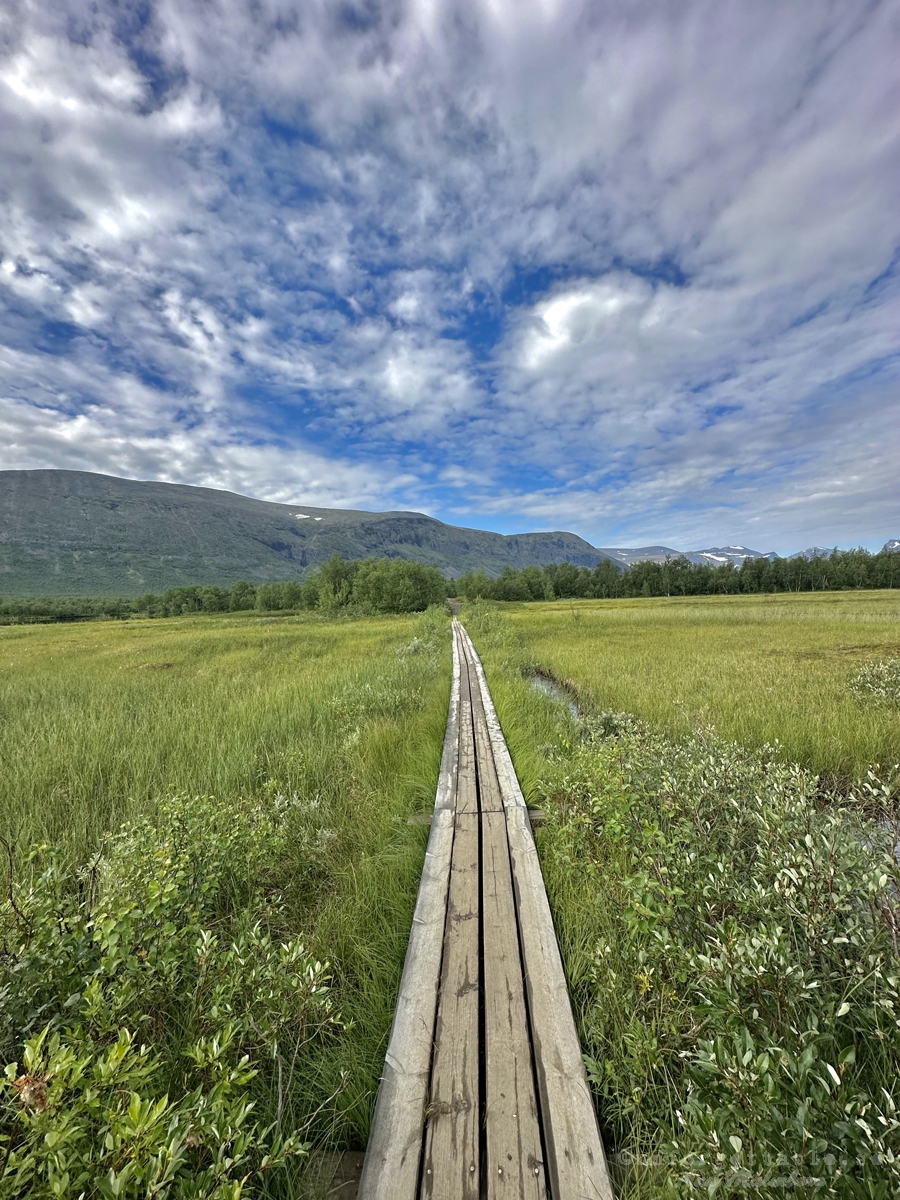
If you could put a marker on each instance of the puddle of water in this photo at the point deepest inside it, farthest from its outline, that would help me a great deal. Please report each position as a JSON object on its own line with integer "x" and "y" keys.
{"x": 549, "y": 687}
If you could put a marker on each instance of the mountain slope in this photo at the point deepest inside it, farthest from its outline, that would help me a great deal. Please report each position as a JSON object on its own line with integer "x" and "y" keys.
{"x": 716, "y": 556}
{"x": 628, "y": 556}
{"x": 77, "y": 533}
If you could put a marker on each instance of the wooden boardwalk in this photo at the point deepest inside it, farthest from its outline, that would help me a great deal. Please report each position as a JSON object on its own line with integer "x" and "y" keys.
{"x": 483, "y": 1092}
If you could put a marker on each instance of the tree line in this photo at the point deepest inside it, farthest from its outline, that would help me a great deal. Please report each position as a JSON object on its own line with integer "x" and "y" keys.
{"x": 384, "y": 585}
{"x": 841, "y": 569}
{"x": 367, "y": 585}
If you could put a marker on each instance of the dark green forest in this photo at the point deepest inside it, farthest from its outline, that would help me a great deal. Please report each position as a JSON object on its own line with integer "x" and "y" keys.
{"x": 381, "y": 585}
{"x": 678, "y": 577}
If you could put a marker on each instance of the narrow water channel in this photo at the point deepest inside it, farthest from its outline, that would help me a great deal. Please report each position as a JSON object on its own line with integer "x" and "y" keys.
{"x": 549, "y": 687}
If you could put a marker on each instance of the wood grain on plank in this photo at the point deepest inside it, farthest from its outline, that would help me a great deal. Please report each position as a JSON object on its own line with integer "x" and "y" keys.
{"x": 452, "y": 1164}
{"x": 509, "y": 783}
{"x": 513, "y": 1140}
{"x": 514, "y": 1164}
{"x": 466, "y": 779}
{"x": 394, "y": 1153}
{"x": 452, "y": 1136}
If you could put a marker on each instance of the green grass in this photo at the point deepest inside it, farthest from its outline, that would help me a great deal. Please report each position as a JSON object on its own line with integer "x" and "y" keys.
{"x": 99, "y": 720}
{"x": 758, "y": 669}
{"x": 728, "y": 923}
{"x": 264, "y": 769}
{"x": 315, "y": 740}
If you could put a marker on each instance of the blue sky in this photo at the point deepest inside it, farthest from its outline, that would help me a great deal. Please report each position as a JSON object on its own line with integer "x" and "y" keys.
{"x": 624, "y": 268}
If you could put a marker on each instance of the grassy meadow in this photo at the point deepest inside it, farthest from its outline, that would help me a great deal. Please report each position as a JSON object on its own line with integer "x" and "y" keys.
{"x": 726, "y": 909}
{"x": 211, "y": 878}
{"x": 759, "y": 669}
{"x": 98, "y": 720}
{"x": 235, "y": 783}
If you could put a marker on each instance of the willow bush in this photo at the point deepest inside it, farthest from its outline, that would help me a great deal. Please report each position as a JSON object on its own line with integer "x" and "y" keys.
{"x": 737, "y": 971}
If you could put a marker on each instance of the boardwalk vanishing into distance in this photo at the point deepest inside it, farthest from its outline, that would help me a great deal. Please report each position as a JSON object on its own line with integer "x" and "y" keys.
{"x": 483, "y": 1092}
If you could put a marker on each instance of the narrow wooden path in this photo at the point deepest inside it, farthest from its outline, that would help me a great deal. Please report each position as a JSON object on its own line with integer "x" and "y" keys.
{"x": 483, "y": 1093}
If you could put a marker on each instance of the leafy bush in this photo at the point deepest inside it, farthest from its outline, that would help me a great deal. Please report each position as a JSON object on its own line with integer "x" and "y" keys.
{"x": 273, "y": 596}
{"x": 879, "y": 681}
{"x": 731, "y": 939}
{"x": 396, "y": 585}
{"x": 147, "y": 989}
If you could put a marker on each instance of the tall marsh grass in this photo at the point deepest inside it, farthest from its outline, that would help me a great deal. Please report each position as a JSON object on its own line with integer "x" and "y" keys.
{"x": 99, "y": 721}
{"x": 763, "y": 670}
{"x": 729, "y": 925}
{"x": 217, "y": 909}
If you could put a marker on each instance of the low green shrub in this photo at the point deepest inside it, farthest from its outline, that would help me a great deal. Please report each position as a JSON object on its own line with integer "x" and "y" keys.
{"x": 168, "y": 1023}
{"x": 148, "y": 987}
{"x": 731, "y": 941}
{"x": 879, "y": 682}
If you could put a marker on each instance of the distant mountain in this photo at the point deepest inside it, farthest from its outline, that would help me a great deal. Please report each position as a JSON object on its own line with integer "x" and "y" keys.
{"x": 77, "y": 533}
{"x": 641, "y": 554}
{"x": 715, "y": 557}
{"x": 719, "y": 555}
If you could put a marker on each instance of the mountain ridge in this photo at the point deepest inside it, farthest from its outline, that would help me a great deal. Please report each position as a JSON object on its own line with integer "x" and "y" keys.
{"x": 83, "y": 533}
{"x": 715, "y": 556}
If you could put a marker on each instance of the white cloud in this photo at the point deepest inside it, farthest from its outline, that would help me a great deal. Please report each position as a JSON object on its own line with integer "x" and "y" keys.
{"x": 628, "y": 265}
{"x": 125, "y": 438}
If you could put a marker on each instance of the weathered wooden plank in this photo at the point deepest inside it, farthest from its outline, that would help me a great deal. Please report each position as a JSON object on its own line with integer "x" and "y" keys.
{"x": 466, "y": 772}
{"x": 453, "y": 1132}
{"x": 513, "y": 1138}
{"x": 514, "y": 1153}
{"x": 509, "y": 783}
{"x": 452, "y": 1136}
{"x": 576, "y": 1163}
{"x": 445, "y": 796}
{"x": 394, "y": 1153}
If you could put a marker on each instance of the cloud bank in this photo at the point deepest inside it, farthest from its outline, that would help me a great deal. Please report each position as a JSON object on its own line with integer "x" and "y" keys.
{"x": 629, "y": 269}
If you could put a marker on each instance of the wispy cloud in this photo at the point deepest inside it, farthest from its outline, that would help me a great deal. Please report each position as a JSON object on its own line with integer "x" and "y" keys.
{"x": 627, "y": 269}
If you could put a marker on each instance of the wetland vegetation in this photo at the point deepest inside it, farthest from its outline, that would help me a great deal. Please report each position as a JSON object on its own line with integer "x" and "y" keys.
{"x": 211, "y": 884}
{"x": 762, "y": 670}
{"x": 212, "y": 876}
{"x": 726, "y": 906}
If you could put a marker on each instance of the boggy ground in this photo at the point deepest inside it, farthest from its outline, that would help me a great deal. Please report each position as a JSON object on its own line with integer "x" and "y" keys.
{"x": 728, "y": 922}
{"x": 224, "y": 918}
{"x": 760, "y": 669}
{"x": 211, "y": 883}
